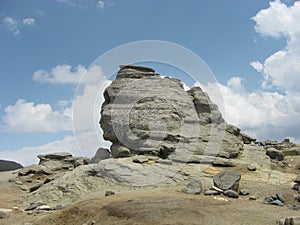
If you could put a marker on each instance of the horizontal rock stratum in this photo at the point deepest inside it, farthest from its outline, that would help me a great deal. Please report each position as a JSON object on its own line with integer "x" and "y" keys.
{"x": 145, "y": 113}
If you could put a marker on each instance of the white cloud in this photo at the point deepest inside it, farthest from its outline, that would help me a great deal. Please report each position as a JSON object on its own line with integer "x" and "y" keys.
{"x": 29, "y": 117}
{"x": 68, "y": 2}
{"x": 100, "y": 4}
{"x": 65, "y": 74}
{"x": 282, "y": 69}
{"x": 257, "y": 66}
{"x": 28, "y": 155}
{"x": 11, "y": 25}
{"x": 29, "y": 21}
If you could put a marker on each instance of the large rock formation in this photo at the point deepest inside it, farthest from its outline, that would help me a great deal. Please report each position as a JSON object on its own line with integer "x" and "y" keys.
{"x": 145, "y": 113}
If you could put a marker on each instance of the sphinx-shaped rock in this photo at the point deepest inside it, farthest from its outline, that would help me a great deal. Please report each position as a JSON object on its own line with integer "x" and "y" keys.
{"x": 145, "y": 113}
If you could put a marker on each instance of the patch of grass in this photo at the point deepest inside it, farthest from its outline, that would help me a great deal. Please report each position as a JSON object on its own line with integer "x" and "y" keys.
{"x": 290, "y": 153}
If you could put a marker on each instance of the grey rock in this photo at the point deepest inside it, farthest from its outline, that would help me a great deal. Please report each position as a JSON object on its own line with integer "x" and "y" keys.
{"x": 227, "y": 179}
{"x": 297, "y": 197}
{"x": 140, "y": 159}
{"x": 19, "y": 183}
{"x": 55, "y": 156}
{"x": 193, "y": 187}
{"x": 297, "y": 179}
{"x": 231, "y": 194}
{"x": 296, "y": 187}
{"x": 244, "y": 192}
{"x": 253, "y": 198}
{"x": 101, "y": 154}
{"x": 109, "y": 193}
{"x": 294, "y": 207}
{"x": 34, "y": 169}
{"x": 223, "y": 163}
{"x": 211, "y": 192}
{"x": 147, "y": 114}
{"x": 275, "y": 154}
{"x": 58, "y": 207}
{"x": 34, "y": 205}
{"x": 251, "y": 167}
{"x": 276, "y": 199}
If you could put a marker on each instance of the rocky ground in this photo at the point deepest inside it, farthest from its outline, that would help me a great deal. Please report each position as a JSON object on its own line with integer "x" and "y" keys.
{"x": 78, "y": 196}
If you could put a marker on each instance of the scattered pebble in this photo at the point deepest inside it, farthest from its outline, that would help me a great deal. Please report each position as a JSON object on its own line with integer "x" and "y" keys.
{"x": 109, "y": 193}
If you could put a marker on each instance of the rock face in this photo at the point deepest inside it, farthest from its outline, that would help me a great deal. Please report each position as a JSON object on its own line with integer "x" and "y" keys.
{"x": 147, "y": 114}
{"x": 9, "y": 165}
{"x": 193, "y": 187}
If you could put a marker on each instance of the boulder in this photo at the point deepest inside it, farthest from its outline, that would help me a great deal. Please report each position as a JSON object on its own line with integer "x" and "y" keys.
{"x": 9, "y": 165}
{"x": 193, "y": 187}
{"x": 275, "y": 154}
{"x": 227, "y": 180}
{"x": 101, "y": 154}
{"x": 147, "y": 114}
{"x": 61, "y": 160}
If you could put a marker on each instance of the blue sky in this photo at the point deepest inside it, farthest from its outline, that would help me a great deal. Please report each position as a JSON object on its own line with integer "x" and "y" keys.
{"x": 46, "y": 45}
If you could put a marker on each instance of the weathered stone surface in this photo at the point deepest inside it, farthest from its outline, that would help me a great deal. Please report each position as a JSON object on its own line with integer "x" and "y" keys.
{"x": 3, "y": 214}
{"x": 273, "y": 153}
{"x": 101, "y": 154}
{"x": 223, "y": 162}
{"x": 61, "y": 160}
{"x": 140, "y": 159}
{"x": 144, "y": 113}
{"x": 193, "y": 187}
{"x": 34, "y": 205}
{"x": 227, "y": 180}
{"x": 34, "y": 169}
{"x": 247, "y": 139}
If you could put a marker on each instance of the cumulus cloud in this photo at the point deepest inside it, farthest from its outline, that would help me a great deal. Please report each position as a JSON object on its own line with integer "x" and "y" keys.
{"x": 12, "y": 25}
{"x": 100, "y": 4}
{"x": 282, "y": 68}
{"x": 27, "y": 155}
{"x": 29, "y": 21}
{"x": 29, "y": 117}
{"x": 257, "y": 66}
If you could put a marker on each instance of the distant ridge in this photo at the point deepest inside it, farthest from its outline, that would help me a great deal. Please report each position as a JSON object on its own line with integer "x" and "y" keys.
{"x": 9, "y": 165}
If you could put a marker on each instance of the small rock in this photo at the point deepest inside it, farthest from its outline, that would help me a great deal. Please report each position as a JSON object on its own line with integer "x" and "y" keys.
{"x": 140, "y": 159}
{"x": 194, "y": 187}
{"x": 297, "y": 197}
{"x": 251, "y": 167}
{"x": 297, "y": 180}
{"x": 211, "y": 192}
{"x": 294, "y": 207}
{"x": 109, "y": 193}
{"x": 24, "y": 188}
{"x": 216, "y": 189}
{"x": 44, "y": 207}
{"x": 296, "y": 187}
{"x": 253, "y": 198}
{"x": 19, "y": 183}
{"x": 34, "y": 205}
{"x": 231, "y": 194}
{"x": 244, "y": 192}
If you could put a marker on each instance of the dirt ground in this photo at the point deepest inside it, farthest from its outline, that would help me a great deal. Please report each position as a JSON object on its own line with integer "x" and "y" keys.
{"x": 165, "y": 206}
